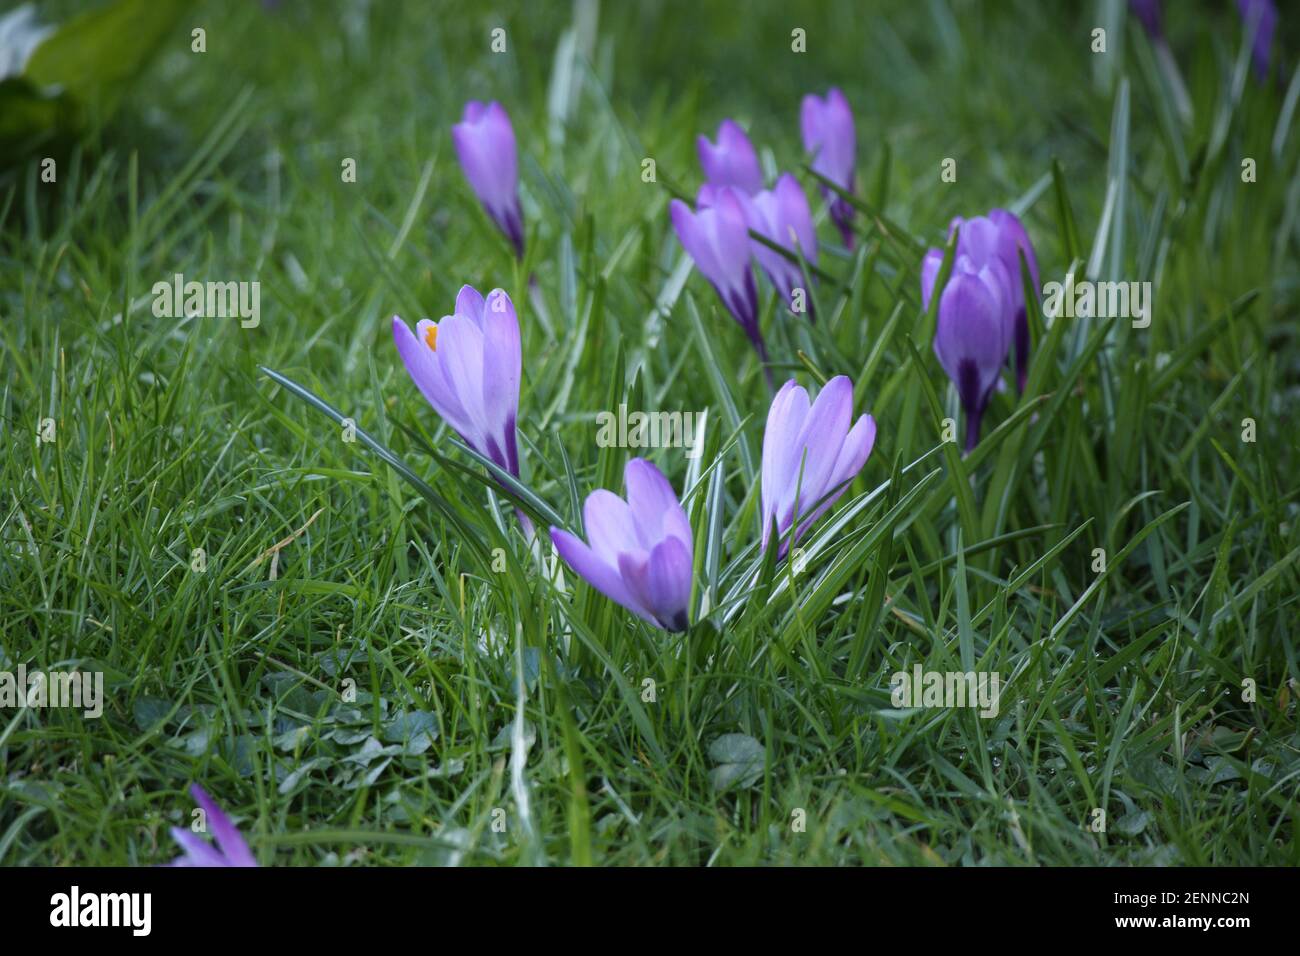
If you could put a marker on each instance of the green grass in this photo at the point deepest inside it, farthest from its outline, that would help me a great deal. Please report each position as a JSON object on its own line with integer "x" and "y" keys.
{"x": 481, "y": 690}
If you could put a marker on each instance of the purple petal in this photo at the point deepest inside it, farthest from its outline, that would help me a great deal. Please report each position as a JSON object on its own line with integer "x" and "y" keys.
{"x": 822, "y": 437}
{"x": 197, "y": 852}
{"x": 460, "y": 354}
{"x": 502, "y": 365}
{"x": 782, "y": 216}
{"x": 795, "y": 218}
{"x": 227, "y": 836}
{"x": 425, "y": 369}
{"x": 611, "y": 527}
{"x": 653, "y": 504}
{"x": 658, "y": 586}
{"x": 853, "y": 455}
{"x": 668, "y": 583}
{"x": 596, "y": 572}
{"x": 469, "y": 303}
{"x": 763, "y": 216}
{"x": 1013, "y": 238}
{"x": 785, "y": 420}
{"x": 971, "y": 338}
{"x": 930, "y": 266}
{"x": 731, "y": 234}
{"x": 690, "y": 227}
{"x": 732, "y": 162}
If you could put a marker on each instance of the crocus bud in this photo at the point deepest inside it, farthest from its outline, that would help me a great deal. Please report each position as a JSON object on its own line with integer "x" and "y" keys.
{"x": 971, "y": 337}
{"x": 732, "y": 162}
{"x": 639, "y": 552}
{"x": 485, "y": 145}
{"x": 828, "y": 134}
{"x": 810, "y": 454}
{"x": 468, "y": 367}
{"x": 995, "y": 241}
{"x": 1264, "y": 14}
{"x": 230, "y": 850}
{"x": 781, "y": 215}
{"x": 716, "y": 237}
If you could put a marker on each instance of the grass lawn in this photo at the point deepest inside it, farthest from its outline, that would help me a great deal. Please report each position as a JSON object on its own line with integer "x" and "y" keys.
{"x": 361, "y": 670}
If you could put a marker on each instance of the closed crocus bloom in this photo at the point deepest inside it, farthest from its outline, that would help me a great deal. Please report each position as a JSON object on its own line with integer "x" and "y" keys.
{"x": 996, "y": 241}
{"x": 230, "y": 849}
{"x": 716, "y": 237}
{"x": 1265, "y": 13}
{"x": 781, "y": 215}
{"x": 829, "y": 136}
{"x": 732, "y": 162}
{"x": 639, "y": 552}
{"x": 485, "y": 145}
{"x": 468, "y": 367}
{"x": 971, "y": 338}
{"x": 810, "y": 453}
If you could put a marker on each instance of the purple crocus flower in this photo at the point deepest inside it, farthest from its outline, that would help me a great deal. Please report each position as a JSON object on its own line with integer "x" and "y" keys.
{"x": 640, "y": 553}
{"x": 828, "y": 134}
{"x": 1266, "y": 13}
{"x": 972, "y": 335}
{"x": 810, "y": 453}
{"x": 995, "y": 241}
{"x": 716, "y": 237}
{"x": 1151, "y": 16}
{"x": 732, "y": 162}
{"x": 231, "y": 848}
{"x": 468, "y": 367}
{"x": 485, "y": 145}
{"x": 781, "y": 215}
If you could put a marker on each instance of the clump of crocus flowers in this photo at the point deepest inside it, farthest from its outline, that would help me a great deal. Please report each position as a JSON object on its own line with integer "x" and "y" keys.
{"x": 733, "y": 209}
{"x": 982, "y": 315}
{"x": 230, "y": 849}
{"x": 638, "y": 550}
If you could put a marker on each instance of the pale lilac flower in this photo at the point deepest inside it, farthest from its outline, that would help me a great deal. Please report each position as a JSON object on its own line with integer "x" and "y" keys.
{"x": 716, "y": 237}
{"x": 995, "y": 241}
{"x": 972, "y": 336}
{"x": 828, "y": 134}
{"x": 640, "y": 553}
{"x": 781, "y": 215}
{"x": 732, "y": 162}
{"x": 1266, "y": 13}
{"x": 468, "y": 368}
{"x": 485, "y": 145}
{"x": 230, "y": 849}
{"x": 810, "y": 453}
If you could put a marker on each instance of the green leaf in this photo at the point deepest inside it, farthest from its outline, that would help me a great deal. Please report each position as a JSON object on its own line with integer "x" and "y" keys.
{"x": 739, "y": 759}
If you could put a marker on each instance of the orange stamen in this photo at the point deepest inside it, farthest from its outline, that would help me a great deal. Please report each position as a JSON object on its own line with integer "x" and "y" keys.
{"x": 431, "y": 338}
